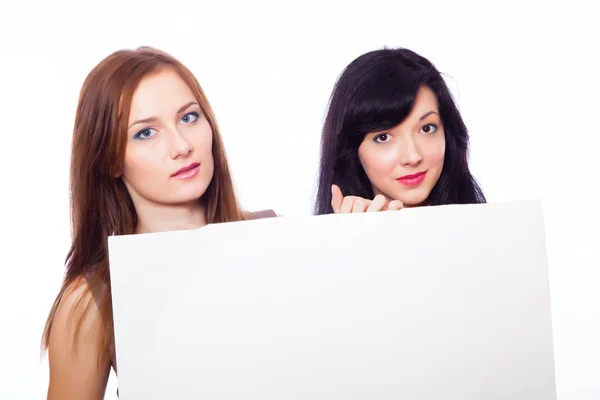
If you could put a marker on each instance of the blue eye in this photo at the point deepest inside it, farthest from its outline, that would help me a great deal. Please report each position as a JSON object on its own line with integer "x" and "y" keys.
{"x": 190, "y": 117}
{"x": 145, "y": 134}
{"x": 382, "y": 138}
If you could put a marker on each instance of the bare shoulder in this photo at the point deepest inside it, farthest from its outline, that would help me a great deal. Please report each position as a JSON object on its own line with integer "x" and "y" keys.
{"x": 76, "y": 309}
{"x": 260, "y": 214}
{"x": 76, "y": 346}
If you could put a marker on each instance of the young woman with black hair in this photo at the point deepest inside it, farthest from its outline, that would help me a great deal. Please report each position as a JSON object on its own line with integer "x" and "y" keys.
{"x": 393, "y": 138}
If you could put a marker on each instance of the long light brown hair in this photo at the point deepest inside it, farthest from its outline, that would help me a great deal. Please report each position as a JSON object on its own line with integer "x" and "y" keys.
{"x": 100, "y": 203}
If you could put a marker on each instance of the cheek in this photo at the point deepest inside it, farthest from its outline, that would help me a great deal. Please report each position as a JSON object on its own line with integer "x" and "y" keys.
{"x": 435, "y": 152}
{"x": 139, "y": 163}
{"x": 377, "y": 160}
{"x": 207, "y": 143}
{"x": 201, "y": 138}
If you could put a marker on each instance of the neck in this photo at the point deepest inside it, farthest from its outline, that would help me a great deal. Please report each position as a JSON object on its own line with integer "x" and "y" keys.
{"x": 154, "y": 217}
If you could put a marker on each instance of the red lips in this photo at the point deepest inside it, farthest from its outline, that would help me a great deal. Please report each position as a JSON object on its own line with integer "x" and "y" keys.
{"x": 412, "y": 180}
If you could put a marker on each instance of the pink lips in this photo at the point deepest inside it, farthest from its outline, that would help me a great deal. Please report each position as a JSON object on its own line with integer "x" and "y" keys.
{"x": 187, "y": 172}
{"x": 412, "y": 180}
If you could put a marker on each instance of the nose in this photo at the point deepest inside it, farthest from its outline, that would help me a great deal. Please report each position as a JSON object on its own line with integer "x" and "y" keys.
{"x": 409, "y": 153}
{"x": 178, "y": 145}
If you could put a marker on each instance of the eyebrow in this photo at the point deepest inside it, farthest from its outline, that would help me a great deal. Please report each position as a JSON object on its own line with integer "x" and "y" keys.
{"x": 428, "y": 114}
{"x": 152, "y": 119}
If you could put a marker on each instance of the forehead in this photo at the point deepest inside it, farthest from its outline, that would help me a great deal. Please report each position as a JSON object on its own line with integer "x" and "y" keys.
{"x": 159, "y": 94}
{"x": 425, "y": 101}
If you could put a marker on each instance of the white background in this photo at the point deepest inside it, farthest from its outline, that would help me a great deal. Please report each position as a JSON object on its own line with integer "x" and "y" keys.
{"x": 525, "y": 75}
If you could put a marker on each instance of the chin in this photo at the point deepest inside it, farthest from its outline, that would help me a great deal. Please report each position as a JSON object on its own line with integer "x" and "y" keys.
{"x": 413, "y": 199}
{"x": 186, "y": 195}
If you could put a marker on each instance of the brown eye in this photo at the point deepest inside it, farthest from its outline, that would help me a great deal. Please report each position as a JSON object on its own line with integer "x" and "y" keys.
{"x": 429, "y": 128}
{"x": 382, "y": 138}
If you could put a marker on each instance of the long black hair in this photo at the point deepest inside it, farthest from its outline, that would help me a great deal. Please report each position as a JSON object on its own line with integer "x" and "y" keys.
{"x": 376, "y": 92}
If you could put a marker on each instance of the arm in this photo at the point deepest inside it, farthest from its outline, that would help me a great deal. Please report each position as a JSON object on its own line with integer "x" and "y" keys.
{"x": 76, "y": 369}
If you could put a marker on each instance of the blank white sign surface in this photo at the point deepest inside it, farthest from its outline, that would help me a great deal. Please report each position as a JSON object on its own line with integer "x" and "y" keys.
{"x": 444, "y": 302}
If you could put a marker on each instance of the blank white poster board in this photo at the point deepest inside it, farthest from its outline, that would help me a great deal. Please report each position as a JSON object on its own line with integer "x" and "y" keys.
{"x": 446, "y": 302}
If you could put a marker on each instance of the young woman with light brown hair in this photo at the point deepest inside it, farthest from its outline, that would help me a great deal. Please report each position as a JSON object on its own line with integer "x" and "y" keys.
{"x": 147, "y": 156}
